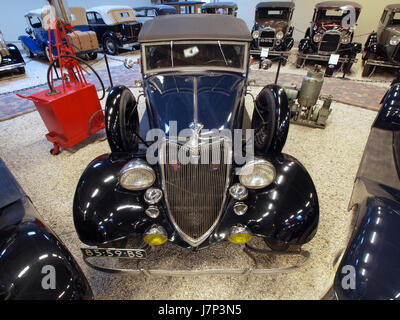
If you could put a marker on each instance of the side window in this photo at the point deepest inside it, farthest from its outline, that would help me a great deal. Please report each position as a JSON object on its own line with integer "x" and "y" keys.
{"x": 99, "y": 19}
{"x": 35, "y": 22}
{"x": 384, "y": 16}
{"x": 140, "y": 13}
{"x": 151, "y": 13}
{"x": 91, "y": 18}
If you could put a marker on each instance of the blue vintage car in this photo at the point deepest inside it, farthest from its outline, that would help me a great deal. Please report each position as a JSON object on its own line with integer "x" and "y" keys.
{"x": 195, "y": 95}
{"x": 36, "y": 42}
{"x": 34, "y": 263}
{"x": 370, "y": 266}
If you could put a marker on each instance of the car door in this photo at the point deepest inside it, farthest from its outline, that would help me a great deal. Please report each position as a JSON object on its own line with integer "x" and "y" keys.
{"x": 91, "y": 17}
{"x": 39, "y": 33}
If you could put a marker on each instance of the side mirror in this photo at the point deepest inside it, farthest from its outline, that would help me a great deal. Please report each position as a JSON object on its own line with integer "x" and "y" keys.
{"x": 129, "y": 63}
{"x": 28, "y": 31}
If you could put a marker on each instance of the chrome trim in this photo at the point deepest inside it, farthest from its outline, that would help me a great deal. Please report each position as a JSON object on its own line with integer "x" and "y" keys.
{"x": 254, "y": 163}
{"x": 267, "y": 30}
{"x": 228, "y": 148}
{"x": 12, "y": 66}
{"x": 152, "y": 212}
{"x": 236, "y": 196}
{"x": 156, "y": 229}
{"x": 239, "y": 229}
{"x": 235, "y": 208}
{"x": 133, "y": 165}
{"x": 330, "y": 32}
{"x": 153, "y": 201}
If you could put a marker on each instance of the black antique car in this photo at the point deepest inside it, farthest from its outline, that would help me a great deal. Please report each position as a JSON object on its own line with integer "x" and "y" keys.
{"x": 369, "y": 268}
{"x": 146, "y": 13}
{"x": 331, "y": 32}
{"x": 116, "y": 27}
{"x": 272, "y": 29}
{"x": 34, "y": 264}
{"x": 382, "y": 48}
{"x": 227, "y": 8}
{"x": 157, "y": 185}
{"x": 10, "y": 57}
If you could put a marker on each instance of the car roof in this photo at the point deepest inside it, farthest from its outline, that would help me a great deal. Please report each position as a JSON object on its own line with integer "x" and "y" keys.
{"x": 337, "y": 4}
{"x": 393, "y": 7}
{"x": 220, "y": 5}
{"x": 106, "y": 9}
{"x": 195, "y": 27}
{"x": 35, "y": 12}
{"x": 276, "y": 4}
{"x": 156, "y": 6}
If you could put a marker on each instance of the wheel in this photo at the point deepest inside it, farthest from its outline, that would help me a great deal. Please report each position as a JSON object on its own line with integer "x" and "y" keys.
{"x": 347, "y": 68}
{"x": 300, "y": 62}
{"x": 92, "y": 55}
{"x": 276, "y": 245}
{"x": 367, "y": 70}
{"x": 110, "y": 46}
{"x": 55, "y": 151}
{"x": 27, "y": 51}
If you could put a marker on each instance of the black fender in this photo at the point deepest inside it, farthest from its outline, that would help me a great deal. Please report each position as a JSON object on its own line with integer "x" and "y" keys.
{"x": 270, "y": 215}
{"x": 378, "y": 50}
{"x": 389, "y": 115}
{"x": 288, "y": 43}
{"x": 28, "y": 248}
{"x": 271, "y": 106}
{"x": 290, "y": 32}
{"x": 373, "y": 254}
{"x": 305, "y": 45}
{"x": 15, "y": 53}
{"x": 122, "y": 120}
{"x": 371, "y": 40}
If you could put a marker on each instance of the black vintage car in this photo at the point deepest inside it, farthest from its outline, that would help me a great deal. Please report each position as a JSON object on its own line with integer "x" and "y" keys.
{"x": 331, "y": 32}
{"x": 34, "y": 264}
{"x": 115, "y": 26}
{"x": 146, "y": 13}
{"x": 10, "y": 57}
{"x": 371, "y": 263}
{"x": 156, "y": 183}
{"x": 272, "y": 29}
{"x": 382, "y": 48}
{"x": 227, "y": 8}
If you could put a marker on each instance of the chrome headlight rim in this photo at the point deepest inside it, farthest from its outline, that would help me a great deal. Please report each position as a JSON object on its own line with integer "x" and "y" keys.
{"x": 153, "y": 200}
{"x": 136, "y": 164}
{"x": 394, "y": 40}
{"x": 238, "y": 192}
{"x": 255, "y": 34}
{"x": 254, "y": 163}
{"x": 346, "y": 39}
{"x": 279, "y": 35}
{"x": 318, "y": 37}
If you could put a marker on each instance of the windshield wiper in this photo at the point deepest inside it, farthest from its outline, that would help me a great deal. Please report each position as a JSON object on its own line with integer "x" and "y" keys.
{"x": 222, "y": 51}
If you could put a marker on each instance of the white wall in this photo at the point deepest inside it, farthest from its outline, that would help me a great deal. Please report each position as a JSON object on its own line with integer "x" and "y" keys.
{"x": 13, "y": 23}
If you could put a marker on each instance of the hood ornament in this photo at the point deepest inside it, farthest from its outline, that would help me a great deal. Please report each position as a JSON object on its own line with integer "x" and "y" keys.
{"x": 193, "y": 144}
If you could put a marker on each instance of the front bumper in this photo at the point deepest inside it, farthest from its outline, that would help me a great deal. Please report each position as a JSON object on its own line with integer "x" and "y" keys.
{"x": 12, "y": 66}
{"x": 257, "y": 52}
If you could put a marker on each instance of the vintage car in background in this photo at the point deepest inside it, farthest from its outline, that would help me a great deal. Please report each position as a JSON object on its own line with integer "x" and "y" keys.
{"x": 31, "y": 254}
{"x": 36, "y": 42}
{"x": 147, "y": 13}
{"x": 272, "y": 29}
{"x": 382, "y": 48}
{"x": 195, "y": 99}
{"x": 186, "y": 7}
{"x": 116, "y": 27}
{"x": 369, "y": 268}
{"x": 226, "y": 8}
{"x": 10, "y": 57}
{"x": 331, "y": 32}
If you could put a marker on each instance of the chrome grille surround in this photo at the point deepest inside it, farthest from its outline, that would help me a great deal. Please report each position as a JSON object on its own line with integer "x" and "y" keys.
{"x": 267, "y": 38}
{"x": 196, "y": 195}
{"x": 328, "y": 44}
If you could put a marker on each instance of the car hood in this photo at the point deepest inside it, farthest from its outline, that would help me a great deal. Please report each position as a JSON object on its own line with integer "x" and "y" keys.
{"x": 211, "y": 100}
{"x": 278, "y": 25}
{"x": 394, "y": 30}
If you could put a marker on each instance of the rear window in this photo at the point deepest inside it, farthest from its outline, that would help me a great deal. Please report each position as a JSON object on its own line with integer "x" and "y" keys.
{"x": 124, "y": 14}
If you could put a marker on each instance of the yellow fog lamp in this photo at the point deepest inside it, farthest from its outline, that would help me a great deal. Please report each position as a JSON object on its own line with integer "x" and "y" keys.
{"x": 240, "y": 235}
{"x": 155, "y": 236}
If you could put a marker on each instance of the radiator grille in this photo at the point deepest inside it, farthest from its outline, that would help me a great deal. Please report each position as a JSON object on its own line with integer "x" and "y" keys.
{"x": 330, "y": 42}
{"x": 195, "y": 194}
{"x": 267, "y": 38}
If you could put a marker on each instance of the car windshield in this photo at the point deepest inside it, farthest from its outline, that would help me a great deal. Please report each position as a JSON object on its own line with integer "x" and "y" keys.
{"x": 276, "y": 13}
{"x": 205, "y": 55}
{"x": 395, "y": 21}
{"x": 331, "y": 15}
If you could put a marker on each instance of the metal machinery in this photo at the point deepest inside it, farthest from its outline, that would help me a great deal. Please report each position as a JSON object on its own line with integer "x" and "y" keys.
{"x": 71, "y": 111}
{"x": 307, "y": 110}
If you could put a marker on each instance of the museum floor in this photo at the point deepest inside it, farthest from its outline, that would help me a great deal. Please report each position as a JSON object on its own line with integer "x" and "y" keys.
{"x": 331, "y": 156}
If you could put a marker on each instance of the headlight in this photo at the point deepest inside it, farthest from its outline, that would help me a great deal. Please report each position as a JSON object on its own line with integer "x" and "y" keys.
{"x": 346, "y": 39}
{"x": 137, "y": 175}
{"x": 395, "y": 40}
{"x": 317, "y": 37}
{"x": 257, "y": 174}
{"x": 153, "y": 196}
{"x": 256, "y": 34}
{"x": 279, "y": 35}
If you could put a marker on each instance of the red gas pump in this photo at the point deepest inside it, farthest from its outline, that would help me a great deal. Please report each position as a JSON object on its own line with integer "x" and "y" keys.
{"x": 71, "y": 111}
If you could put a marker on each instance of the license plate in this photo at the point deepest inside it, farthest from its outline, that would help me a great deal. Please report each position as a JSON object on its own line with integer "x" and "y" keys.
{"x": 115, "y": 253}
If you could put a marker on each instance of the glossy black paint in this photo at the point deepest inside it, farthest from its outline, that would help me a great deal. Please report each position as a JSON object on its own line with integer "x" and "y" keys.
{"x": 27, "y": 246}
{"x": 374, "y": 248}
{"x": 104, "y": 212}
{"x": 15, "y": 57}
